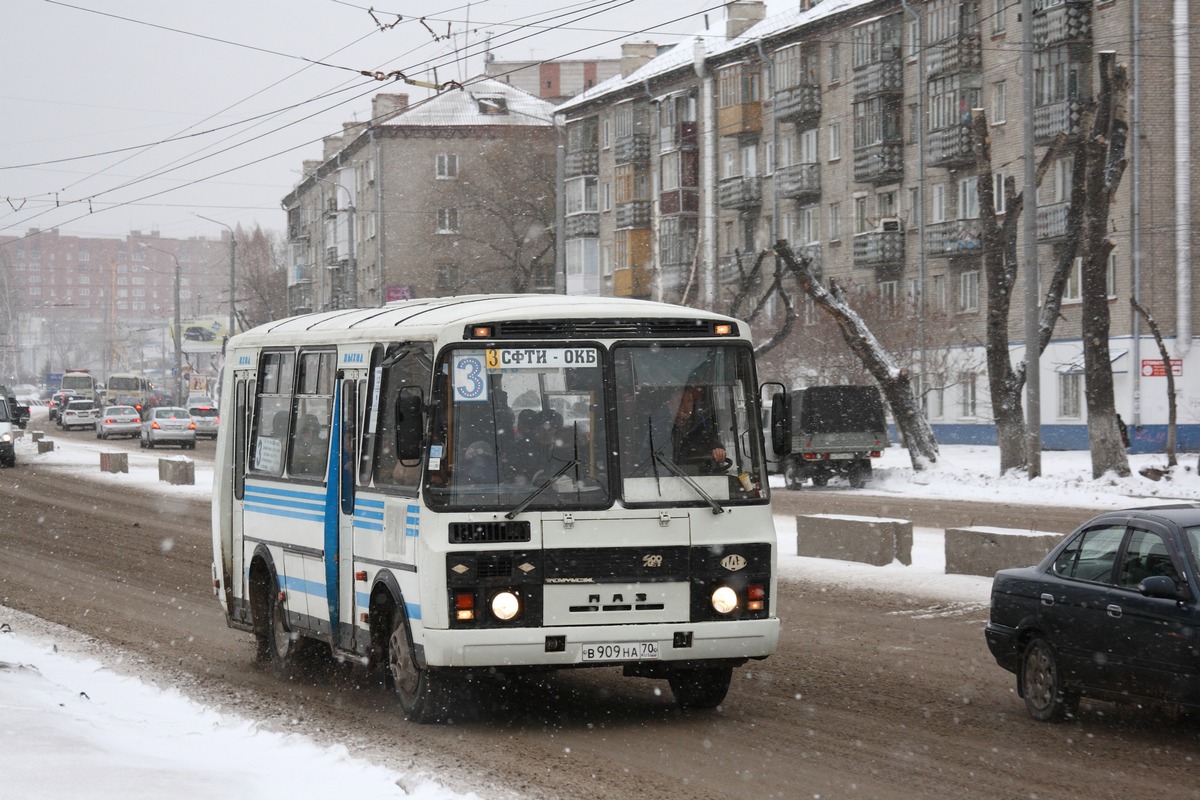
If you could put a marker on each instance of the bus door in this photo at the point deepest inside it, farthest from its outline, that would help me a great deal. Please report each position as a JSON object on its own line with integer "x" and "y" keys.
{"x": 233, "y": 564}
{"x": 339, "y": 544}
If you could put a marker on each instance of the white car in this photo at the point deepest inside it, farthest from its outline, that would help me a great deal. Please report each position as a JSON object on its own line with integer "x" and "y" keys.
{"x": 78, "y": 414}
{"x": 206, "y": 419}
{"x": 119, "y": 421}
{"x": 169, "y": 425}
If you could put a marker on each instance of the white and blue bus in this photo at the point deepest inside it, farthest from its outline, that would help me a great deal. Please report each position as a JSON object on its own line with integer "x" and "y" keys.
{"x": 448, "y": 487}
{"x": 127, "y": 388}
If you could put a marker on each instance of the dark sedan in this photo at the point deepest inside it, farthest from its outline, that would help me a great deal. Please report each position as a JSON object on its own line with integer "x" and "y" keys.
{"x": 1111, "y": 613}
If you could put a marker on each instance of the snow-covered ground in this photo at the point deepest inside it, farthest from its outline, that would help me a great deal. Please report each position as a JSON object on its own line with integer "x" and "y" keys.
{"x": 125, "y": 739}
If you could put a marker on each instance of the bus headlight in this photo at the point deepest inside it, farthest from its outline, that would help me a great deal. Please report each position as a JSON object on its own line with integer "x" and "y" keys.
{"x": 505, "y": 605}
{"x": 724, "y": 600}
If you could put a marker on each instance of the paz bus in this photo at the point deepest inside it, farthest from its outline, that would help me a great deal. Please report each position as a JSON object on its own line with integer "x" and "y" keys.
{"x": 80, "y": 382}
{"x": 447, "y": 488}
{"x": 129, "y": 388}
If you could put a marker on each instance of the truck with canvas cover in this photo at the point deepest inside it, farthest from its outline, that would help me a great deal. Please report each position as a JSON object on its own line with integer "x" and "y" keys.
{"x": 826, "y": 431}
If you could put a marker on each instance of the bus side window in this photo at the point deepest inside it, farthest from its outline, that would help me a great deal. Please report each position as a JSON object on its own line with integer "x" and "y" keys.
{"x": 405, "y": 383}
{"x": 271, "y": 411}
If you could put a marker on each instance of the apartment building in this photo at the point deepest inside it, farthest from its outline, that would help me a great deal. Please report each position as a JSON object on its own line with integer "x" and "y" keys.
{"x": 842, "y": 127}
{"x": 451, "y": 195}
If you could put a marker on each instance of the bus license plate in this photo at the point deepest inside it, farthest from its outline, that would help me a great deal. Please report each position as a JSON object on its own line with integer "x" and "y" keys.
{"x": 841, "y": 456}
{"x": 619, "y": 651}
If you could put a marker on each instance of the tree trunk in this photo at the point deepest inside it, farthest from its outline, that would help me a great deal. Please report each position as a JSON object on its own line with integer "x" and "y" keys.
{"x": 1105, "y": 164}
{"x": 1166, "y": 359}
{"x": 893, "y": 381}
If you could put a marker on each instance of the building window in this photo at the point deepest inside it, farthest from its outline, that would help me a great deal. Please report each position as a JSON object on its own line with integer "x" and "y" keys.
{"x": 835, "y": 63}
{"x": 1073, "y": 288}
{"x": 447, "y": 166}
{"x": 968, "y": 291}
{"x": 835, "y": 221}
{"x": 937, "y": 203}
{"x": 996, "y": 12}
{"x": 447, "y": 221}
{"x": 606, "y": 261}
{"x": 607, "y": 196}
{"x": 999, "y": 201}
{"x": 445, "y": 279}
{"x": 887, "y": 295}
{"x": 606, "y": 134}
{"x": 729, "y": 164}
{"x": 737, "y": 85}
{"x": 1070, "y": 386}
{"x": 939, "y": 292}
{"x": 937, "y": 396}
{"x": 885, "y": 204}
{"x": 34, "y": 290}
{"x": 860, "y": 215}
{"x": 583, "y": 256}
{"x": 1110, "y": 277}
{"x": 968, "y": 198}
{"x": 999, "y": 102}
{"x": 835, "y": 141}
{"x": 808, "y": 228}
{"x": 808, "y": 147}
{"x": 581, "y": 195}
{"x": 84, "y": 255}
{"x": 967, "y": 383}
{"x": 492, "y": 106}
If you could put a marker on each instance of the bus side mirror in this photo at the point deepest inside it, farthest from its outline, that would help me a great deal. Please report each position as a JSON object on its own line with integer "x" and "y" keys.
{"x": 410, "y": 423}
{"x": 781, "y": 423}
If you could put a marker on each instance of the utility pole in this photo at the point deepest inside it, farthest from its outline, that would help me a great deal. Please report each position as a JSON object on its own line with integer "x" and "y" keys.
{"x": 1033, "y": 378}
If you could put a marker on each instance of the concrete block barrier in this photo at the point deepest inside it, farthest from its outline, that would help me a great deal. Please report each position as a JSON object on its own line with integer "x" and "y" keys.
{"x": 114, "y": 462}
{"x": 178, "y": 471}
{"x": 45, "y": 445}
{"x": 37, "y": 436}
{"x": 984, "y": 551}
{"x": 871, "y": 540}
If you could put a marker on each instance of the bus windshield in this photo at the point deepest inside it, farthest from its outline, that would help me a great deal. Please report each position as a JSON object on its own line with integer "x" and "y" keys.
{"x": 534, "y": 427}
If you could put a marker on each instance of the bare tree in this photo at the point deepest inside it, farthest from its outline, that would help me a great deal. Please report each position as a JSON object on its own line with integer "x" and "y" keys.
{"x": 893, "y": 381}
{"x": 749, "y": 297}
{"x": 261, "y": 278}
{"x": 513, "y": 224}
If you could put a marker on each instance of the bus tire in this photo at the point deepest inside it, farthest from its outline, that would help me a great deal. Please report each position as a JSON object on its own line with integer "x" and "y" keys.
{"x": 283, "y": 644}
{"x": 701, "y": 687}
{"x": 421, "y": 692}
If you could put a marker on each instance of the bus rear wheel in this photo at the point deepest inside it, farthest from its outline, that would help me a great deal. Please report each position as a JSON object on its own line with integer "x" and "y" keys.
{"x": 422, "y": 694}
{"x": 703, "y": 687}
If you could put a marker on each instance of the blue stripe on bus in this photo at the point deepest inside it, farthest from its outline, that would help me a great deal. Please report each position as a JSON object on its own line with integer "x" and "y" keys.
{"x": 413, "y": 610}
{"x": 284, "y": 512}
{"x": 368, "y": 503}
{"x": 412, "y": 520}
{"x": 292, "y": 583}
{"x": 368, "y": 526}
{"x": 362, "y": 513}
{"x": 257, "y": 487}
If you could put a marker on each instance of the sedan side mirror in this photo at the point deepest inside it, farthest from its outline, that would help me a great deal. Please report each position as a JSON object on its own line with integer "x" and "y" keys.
{"x": 1160, "y": 586}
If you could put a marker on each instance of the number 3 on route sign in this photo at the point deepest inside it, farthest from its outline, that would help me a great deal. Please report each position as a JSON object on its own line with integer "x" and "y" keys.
{"x": 470, "y": 378}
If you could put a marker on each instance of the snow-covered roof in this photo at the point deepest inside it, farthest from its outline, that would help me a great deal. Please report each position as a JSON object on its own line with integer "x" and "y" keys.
{"x": 469, "y": 106}
{"x": 713, "y": 46}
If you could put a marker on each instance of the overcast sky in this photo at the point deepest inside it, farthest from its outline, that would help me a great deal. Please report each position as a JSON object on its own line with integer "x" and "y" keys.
{"x": 140, "y": 114}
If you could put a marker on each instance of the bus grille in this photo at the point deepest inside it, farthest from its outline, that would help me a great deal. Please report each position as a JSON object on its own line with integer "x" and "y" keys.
{"x": 488, "y": 532}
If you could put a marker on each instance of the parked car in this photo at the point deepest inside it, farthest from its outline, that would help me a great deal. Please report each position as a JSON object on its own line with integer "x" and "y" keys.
{"x": 78, "y": 414}
{"x": 200, "y": 400}
{"x": 57, "y": 401}
{"x": 169, "y": 425}
{"x": 123, "y": 420}
{"x": 8, "y": 446}
{"x": 18, "y": 411}
{"x": 1111, "y": 613}
{"x": 206, "y": 419}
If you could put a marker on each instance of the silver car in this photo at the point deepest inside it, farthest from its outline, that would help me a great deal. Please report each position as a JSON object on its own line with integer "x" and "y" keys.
{"x": 119, "y": 421}
{"x": 206, "y": 419}
{"x": 169, "y": 425}
{"x": 78, "y": 414}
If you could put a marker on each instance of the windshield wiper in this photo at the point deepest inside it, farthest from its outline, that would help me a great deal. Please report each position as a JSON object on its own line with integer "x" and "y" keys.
{"x": 675, "y": 470}
{"x": 574, "y": 462}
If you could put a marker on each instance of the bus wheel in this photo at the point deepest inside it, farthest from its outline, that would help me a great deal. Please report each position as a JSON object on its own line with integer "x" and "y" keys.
{"x": 283, "y": 645}
{"x": 419, "y": 690}
{"x": 704, "y": 687}
{"x": 793, "y": 475}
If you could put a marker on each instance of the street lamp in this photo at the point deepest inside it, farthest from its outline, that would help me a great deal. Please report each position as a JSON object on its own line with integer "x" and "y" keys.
{"x": 178, "y": 325}
{"x": 232, "y": 272}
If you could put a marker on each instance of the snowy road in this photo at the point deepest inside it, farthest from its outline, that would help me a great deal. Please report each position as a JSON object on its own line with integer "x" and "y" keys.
{"x": 872, "y": 694}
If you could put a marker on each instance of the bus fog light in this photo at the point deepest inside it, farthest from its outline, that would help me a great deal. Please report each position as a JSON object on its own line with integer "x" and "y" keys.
{"x": 505, "y": 605}
{"x": 724, "y": 600}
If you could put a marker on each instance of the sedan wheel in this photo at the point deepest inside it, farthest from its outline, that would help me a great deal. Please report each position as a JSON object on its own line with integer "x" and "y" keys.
{"x": 1041, "y": 684}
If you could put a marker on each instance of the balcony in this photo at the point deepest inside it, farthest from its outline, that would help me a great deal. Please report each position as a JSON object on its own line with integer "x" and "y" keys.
{"x": 798, "y": 104}
{"x": 679, "y": 201}
{"x": 635, "y": 214}
{"x": 951, "y": 147}
{"x": 744, "y": 119}
{"x": 960, "y": 54}
{"x": 740, "y": 193}
{"x": 583, "y": 162}
{"x": 632, "y": 149}
{"x": 1068, "y": 22}
{"x": 881, "y": 250}
{"x": 955, "y": 237}
{"x": 879, "y": 163}
{"x": 1052, "y": 221}
{"x": 1050, "y": 120}
{"x": 799, "y": 181}
{"x": 585, "y": 225}
{"x": 681, "y": 136}
{"x": 881, "y": 77}
{"x": 632, "y": 282}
